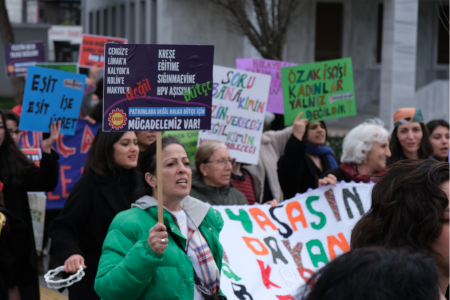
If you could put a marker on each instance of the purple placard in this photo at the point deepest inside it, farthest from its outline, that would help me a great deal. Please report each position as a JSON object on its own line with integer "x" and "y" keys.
{"x": 271, "y": 67}
{"x": 157, "y": 87}
{"x": 18, "y": 57}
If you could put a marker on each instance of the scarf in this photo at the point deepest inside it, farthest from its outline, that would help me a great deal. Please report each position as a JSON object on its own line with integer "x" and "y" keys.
{"x": 352, "y": 174}
{"x": 211, "y": 274}
{"x": 323, "y": 150}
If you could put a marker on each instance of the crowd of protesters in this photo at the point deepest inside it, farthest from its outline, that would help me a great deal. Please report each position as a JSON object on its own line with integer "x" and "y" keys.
{"x": 399, "y": 248}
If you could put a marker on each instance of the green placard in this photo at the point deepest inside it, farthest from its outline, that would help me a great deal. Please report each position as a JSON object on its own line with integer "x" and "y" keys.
{"x": 322, "y": 90}
{"x": 68, "y": 67}
{"x": 188, "y": 138}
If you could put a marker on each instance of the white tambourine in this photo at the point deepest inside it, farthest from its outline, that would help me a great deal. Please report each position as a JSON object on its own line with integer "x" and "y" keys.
{"x": 57, "y": 284}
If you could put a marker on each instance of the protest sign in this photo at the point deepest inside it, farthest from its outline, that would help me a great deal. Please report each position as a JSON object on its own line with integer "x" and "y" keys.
{"x": 33, "y": 154}
{"x": 92, "y": 49}
{"x": 271, "y": 251}
{"x": 270, "y": 67}
{"x": 18, "y": 57}
{"x": 37, "y": 203}
{"x": 239, "y": 105}
{"x": 322, "y": 90}
{"x": 72, "y": 151}
{"x": 157, "y": 87}
{"x": 50, "y": 96}
{"x": 68, "y": 67}
{"x": 188, "y": 138}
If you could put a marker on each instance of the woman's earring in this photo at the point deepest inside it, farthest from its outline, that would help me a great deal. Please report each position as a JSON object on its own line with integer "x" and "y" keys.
{"x": 364, "y": 161}
{"x": 204, "y": 175}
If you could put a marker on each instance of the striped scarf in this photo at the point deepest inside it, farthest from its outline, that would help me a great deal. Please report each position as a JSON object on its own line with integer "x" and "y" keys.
{"x": 199, "y": 245}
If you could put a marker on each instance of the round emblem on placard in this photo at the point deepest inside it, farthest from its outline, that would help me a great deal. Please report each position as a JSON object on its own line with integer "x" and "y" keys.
{"x": 10, "y": 68}
{"x": 117, "y": 118}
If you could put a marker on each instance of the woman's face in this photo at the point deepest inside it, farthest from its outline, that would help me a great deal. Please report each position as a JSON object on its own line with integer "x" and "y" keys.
{"x": 13, "y": 130}
{"x": 316, "y": 133}
{"x": 410, "y": 136}
{"x": 217, "y": 171}
{"x": 376, "y": 158}
{"x": 441, "y": 244}
{"x": 145, "y": 138}
{"x": 126, "y": 150}
{"x": 177, "y": 176}
{"x": 2, "y": 131}
{"x": 440, "y": 141}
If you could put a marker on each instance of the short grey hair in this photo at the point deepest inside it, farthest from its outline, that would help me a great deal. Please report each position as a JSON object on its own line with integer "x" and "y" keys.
{"x": 361, "y": 138}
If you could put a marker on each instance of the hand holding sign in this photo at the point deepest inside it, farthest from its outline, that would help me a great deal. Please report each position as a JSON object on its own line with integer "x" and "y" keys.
{"x": 158, "y": 238}
{"x": 299, "y": 126}
{"x": 55, "y": 128}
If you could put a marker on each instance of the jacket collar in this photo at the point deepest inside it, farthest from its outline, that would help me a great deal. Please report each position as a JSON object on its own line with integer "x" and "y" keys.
{"x": 204, "y": 188}
{"x": 194, "y": 208}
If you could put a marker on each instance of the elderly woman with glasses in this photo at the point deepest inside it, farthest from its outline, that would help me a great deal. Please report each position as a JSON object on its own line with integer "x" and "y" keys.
{"x": 211, "y": 179}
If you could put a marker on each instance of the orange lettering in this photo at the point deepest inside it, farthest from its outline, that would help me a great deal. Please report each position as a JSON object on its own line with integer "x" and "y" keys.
{"x": 333, "y": 241}
{"x": 64, "y": 181}
{"x": 86, "y": 141}
{"x": 256, "y": 212}
{"x": 300, "y": 218}
{"x": 249, "y": 240}
{"x": 53, "y": 197}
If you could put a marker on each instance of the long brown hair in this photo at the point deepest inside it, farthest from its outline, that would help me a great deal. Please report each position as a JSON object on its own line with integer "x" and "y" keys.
{"x": 407, "y": 207}
{"x": 425, "y": 150}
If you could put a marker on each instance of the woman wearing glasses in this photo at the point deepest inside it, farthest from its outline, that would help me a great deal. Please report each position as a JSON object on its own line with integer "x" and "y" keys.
{"x": 211, "y": 179}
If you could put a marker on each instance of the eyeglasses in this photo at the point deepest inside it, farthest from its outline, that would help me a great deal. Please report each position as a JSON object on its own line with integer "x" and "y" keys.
{"x": 223, "y": 161}
{"x": 16, "y": 132}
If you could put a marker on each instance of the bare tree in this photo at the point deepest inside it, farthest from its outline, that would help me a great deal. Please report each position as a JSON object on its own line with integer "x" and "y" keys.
{"x": 266, "y": 26}
{"x": 18, "y": 83}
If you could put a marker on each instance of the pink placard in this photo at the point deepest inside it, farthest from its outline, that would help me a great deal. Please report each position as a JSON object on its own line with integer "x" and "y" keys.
{"x": 271, "y": 67}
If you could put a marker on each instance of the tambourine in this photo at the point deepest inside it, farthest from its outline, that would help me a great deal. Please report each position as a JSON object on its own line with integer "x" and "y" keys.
{"x": 57, "y": 284}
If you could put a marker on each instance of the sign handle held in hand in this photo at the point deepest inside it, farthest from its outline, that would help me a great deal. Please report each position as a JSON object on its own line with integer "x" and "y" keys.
{"x": 159, "y": 175}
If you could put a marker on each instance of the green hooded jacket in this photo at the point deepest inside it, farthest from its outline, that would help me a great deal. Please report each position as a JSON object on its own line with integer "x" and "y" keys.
{"x": 129, "y": 269}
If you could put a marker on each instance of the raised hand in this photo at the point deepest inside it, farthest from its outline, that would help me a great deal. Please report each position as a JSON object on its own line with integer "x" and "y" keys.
{"x": 55, "y": 128}
{"x": 299, "y": 126}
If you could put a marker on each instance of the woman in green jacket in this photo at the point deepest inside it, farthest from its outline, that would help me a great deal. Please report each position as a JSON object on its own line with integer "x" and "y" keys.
{"x": 180, "y": 259}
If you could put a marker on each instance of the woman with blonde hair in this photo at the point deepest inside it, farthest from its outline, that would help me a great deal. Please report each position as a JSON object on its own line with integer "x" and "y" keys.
{"x": 211, "y": 179}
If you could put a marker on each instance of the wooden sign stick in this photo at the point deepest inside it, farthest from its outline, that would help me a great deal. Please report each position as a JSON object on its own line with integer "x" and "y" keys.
{"x": 159, "y": 175}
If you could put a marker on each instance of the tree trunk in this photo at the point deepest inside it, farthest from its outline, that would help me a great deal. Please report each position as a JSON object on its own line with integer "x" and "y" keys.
{"x": 18, "y": 83}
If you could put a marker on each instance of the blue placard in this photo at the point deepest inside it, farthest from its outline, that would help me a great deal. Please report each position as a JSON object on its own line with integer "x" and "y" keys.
{"x": 51, "y": 95}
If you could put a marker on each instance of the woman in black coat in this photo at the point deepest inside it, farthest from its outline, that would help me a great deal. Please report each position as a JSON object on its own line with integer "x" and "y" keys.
{"x": 105, "y": 189}
{"x": 19, "y": 176}
{"x": 305, "y": 158}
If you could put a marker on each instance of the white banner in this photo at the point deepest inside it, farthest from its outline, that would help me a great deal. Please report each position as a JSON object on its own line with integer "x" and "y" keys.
{"x": 270, "y": 252}
{"x": 238, "y": 108}
{"x": 38, "y": 201}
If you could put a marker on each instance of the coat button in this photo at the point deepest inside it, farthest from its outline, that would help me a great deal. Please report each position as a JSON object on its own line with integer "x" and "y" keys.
{"x": 210, "y": 228}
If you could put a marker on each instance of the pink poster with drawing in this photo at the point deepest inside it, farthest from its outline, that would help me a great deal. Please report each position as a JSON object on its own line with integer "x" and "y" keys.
{"x": 271, "y": 67}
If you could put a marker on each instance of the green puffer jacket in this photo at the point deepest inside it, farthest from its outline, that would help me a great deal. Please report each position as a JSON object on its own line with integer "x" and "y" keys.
{"x": 129, "y": 269}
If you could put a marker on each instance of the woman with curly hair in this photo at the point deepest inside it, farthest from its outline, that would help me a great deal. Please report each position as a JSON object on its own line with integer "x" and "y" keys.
{"x": 410, "y": 210}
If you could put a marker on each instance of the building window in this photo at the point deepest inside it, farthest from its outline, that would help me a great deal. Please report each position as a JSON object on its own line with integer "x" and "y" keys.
{"x": 97, "y": 23}
{"x": 113, "y": 21}
{"x": 122, "y": 21}
{"x": 153, "y": 22}
{"x": 132, "y": 24}
{"x": 443, "y": 40}
{"x": 105, "y": 22}
{"x": 329, "y": 21}
{"x": 143, "y": 22}
{"x": 91, "y": 23}
{"x": 379, "y": 32}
